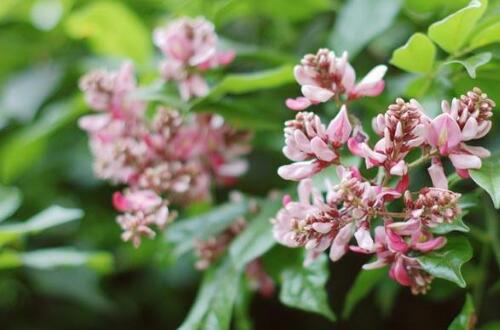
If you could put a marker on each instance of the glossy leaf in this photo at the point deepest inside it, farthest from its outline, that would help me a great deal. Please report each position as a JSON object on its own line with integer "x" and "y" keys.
{"x": 111, "y": 29}
{"x": 447, "y": 262}
{"x": 214, "y": 303}
{"x": 183, "y": 232}
{"x": 10, "y": 200}
{"x": 486, "y": 36}
{"x": 417, "y": 55}
{"x": 304, "y": 287}
{"x": 488, "y": 178}
{"x": 364, "y": 283}
{"x": 452, "y": 32}
{"x": 467, "y": 318}
{"x": 472, "y": 63}
{"x": 456, "y": 225}
{"x": 51, "y": 217}
{"x": 360, "y": 21}
{"x": 257, "y": 238}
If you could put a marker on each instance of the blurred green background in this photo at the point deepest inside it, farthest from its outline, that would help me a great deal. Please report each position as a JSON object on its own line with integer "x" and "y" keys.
{"x": 46, "y": 45}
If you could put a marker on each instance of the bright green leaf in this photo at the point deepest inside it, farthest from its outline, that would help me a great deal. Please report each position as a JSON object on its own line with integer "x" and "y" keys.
{"x": 10, "y": 200}
{"x": 466, "y": 320}
{"x": 473, "y": 62}
{"x": 111, "y": 29}
{"x": 359, "y": 21}
{"x": 183, "y": 232}
{"x": 486, "y": 36}
{"x": 10, "y": 259}
{"x": 67, "y": 257}
{"x": 304, "y": 287}
{"x": 446, "y": 262}
{"x": 452, "y": 32}
{"x": 364, "y": 283}
{"x": 257, "y": 238}
{"x": 488, "y": 178}
{"x": 417, "y": 55}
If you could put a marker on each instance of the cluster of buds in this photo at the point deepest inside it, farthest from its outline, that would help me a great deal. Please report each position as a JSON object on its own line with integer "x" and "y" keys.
{"x": 311, "y": 146}
{"x": 190, "y": 47}
{"x": 170, "y": 158}
{"x": 324, "y": 76}
{"x": 468, "y": 118}
{"x": 209, "y": 250}
{"x": 319, "y": 221}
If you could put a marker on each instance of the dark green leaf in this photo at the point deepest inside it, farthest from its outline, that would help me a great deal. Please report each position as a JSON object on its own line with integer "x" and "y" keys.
{"x": 473, "y": 62}
{"x": 488, "y": 178}
{"x": 183, "y": 232}
{"x": 304, "y": 287}
{"x": 466, "y": 320}
{"x": 456, "y": 225}
{"x": 447, "y": 262}
{"x": 359, "y": 21}
{"x": 51, "y": 217}
{"x": 214, "y": 303}
{"x": 10, "y": 200}
{"x": 452, "y": 32}
{"x": 417, "y": 55}
{"x": 257, "y": 238}
{"x": 365, "y": 282}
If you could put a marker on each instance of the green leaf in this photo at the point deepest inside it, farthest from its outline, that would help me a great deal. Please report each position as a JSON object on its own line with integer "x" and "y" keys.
{"x": 467, "y": 319}
{"x": 486, "y": 36}
{"x": 24, "y": 148}
{"x": 38, "y": 82}
{"x": 456, "y": 225}
{"x": 447, "y": 262}
{"x": 359, "y": 21}
{"x": 111, "y": 29}
{"x": 364, "y": 283}
{"x": 67, "y": 257}
{"x": 182, "y": 233}
{"x": 249, "y": 82}
{"x": 10, "y": 200}
{"x": 473, "y": 62}
{"x": 214, "y": 303}
{"x": 493, "y": 325}
{"x": 452, "y": 32}
{"x": 257, "y": 238}
{"x": 51, "y": 217}
{"x": 488, "y": 178}
{"x": 417, "y": 55}
{"x": 304, "y": 287}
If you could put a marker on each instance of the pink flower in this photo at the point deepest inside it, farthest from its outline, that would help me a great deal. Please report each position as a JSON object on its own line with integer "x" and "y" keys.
{"x": 323, "y": 75}
{"x": 190, "y": 47}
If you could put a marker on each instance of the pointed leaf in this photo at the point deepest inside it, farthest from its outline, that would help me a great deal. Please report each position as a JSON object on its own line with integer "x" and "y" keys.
{"x": 486, "y": 36}
{"x": 473, "y": 62}
{"x": 446, "y": 262}
{"x": 183, "y": 232}
{"x": 417, "y": 55}
{"x": 360, "y": 21}
{"x": 452, "y": 32}
{"x": 304, "y": 287}
{"x": 364, "y": 283}
{"x": 467, "y": 318}
{"x": 488, "y": 178}
{"x": 10, "y": 200}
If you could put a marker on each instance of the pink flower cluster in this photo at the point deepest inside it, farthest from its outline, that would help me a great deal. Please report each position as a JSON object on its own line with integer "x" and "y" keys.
{"x": 169, "y": 158}
{"x": 331, "y": 218}
{"x": 324, "y": 76}
{"x": 190, "y": 47}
